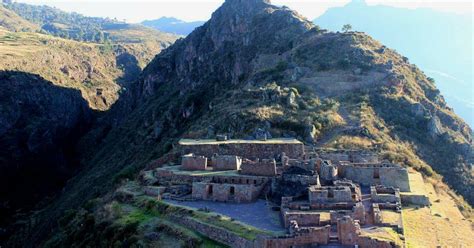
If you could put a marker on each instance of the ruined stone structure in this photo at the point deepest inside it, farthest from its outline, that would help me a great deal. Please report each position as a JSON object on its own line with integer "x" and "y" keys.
{"x": 336, "y": 197}
{"x": 353, "y": 156}
{"x": 303, "y": 218}
{"x": 330, "y": 194}
{"x": 261, "y": 167}
{"x": 250, "y": 149}
{"x": 226, "y": 192}
{"x": 348, "y": 230}
{"x": 382, "y": 194}
{"x": 377, "y": 174}
{"x": 328, "y": 171}
{"x": 300, "y": 237}
{"x": 226, "y": 162}
{"x": 192, "y": 162}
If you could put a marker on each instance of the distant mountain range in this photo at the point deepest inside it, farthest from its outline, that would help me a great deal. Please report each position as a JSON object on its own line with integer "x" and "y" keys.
{"x": 173, "y": 25}
{"x": 440, "y": 43}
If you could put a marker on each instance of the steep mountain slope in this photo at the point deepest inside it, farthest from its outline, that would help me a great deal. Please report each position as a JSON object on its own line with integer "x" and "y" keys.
{"x": 39, "y": 126}
{"x": 11, "y": 21}
{"x": 82, "y": 28}
{"x": 438, "y": 42}
{"x": 39, "y": 153}
{"x": 172, "y": 25}
{"x": 99, "y": 70}
{"x": 257, "y": 68}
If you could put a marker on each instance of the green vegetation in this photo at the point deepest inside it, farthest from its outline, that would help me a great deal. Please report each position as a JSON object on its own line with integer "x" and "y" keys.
{"x": 346, "y": 28}
{"x": 12, "y": 22}
{"x": 84, "y": 66}
{"x": 164, "y": 209}
{"x": 121, "y": 225}
{"x": 82, "y": 28}
{"x": 65, "y": 25}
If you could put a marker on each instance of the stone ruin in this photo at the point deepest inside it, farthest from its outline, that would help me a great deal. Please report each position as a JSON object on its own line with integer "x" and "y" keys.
{"x": 323, "y": 197}
{"x": 193, "y": 162}
{"x": 259, "y": 167}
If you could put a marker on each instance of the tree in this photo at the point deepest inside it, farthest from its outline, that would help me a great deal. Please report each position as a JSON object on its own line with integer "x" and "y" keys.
{"x": 346, "y": 28}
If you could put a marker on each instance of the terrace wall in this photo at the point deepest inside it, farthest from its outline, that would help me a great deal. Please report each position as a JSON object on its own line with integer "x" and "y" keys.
{"x": 245, "y": 150}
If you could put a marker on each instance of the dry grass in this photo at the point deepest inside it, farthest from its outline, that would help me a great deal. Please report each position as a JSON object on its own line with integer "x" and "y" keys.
{"x": 442, "y": 224}
{"x": 353, "y": 142}
{"x": 384, "y": 233}
{"x": 72, "y": 64}
{"x": 391, "y": 217}
{"x": 11, "y": 21}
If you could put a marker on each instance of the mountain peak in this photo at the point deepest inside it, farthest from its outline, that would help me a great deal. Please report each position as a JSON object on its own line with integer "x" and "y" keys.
{"x": 245, "y": 6}
{"x": 248, "y": 1}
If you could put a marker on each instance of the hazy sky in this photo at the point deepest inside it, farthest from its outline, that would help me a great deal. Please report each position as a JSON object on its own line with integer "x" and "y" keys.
{"x": 191, "y": 10}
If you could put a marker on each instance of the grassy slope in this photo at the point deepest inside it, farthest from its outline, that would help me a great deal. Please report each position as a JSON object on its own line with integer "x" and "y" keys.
{"x": 79, "y": 65}
{"x": 11, "y": 21}
{"x": 442, "y": 224}
{"x": 64, "y": 62}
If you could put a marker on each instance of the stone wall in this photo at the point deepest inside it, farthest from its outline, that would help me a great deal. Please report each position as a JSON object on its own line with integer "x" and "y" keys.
{"x": 368, "y": 242}
{"x": 303, "y": 218}
{"x": 303, "y": 237}
{"x": 250, "y": 150}
{"x": 192, "y": 162}
{"x": 328, "y": 171}
{"x": 357, "y": 213}
{"x": 355, "y": 156}
{"x": 377, "y": 214}
{"x": 373, "y": 174}
{"x": 330, "y": 194}
{"x": 395, "y": 177}
{"x": 226, "y": 162}
{"x": 355, "y": 188}
{"x": 421, "y": 200}
{"x": 348, "y": 230}
{"x": 262, "y": 167}
{"x": 219, "y": 234}
{"x": 225, "y": 192}
{"x": 384, "y": 194}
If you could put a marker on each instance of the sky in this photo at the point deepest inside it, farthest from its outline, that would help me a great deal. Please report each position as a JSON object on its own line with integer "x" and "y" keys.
{"x": 200, "y": 10}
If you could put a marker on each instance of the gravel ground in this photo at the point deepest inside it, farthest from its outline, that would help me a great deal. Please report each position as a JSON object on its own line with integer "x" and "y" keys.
{"x": 257, "y": 214}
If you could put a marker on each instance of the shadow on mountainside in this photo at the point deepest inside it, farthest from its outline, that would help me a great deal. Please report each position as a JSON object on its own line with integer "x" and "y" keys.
{"x": 40, "y": 124}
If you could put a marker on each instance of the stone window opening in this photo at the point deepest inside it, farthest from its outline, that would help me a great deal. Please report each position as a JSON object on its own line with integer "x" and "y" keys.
{"x": 255, "y": 182}
{"x": 376, "y": 173}
{"x": 248, "y": 181}
{"x": 330, "y": 194}
{"x": 209, "y": 189}
{"x": 232, "y": 190}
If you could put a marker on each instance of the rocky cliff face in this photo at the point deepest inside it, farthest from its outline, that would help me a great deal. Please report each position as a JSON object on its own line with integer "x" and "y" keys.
{"x": 258, "y": 69}
{"x": 39, "y": 126}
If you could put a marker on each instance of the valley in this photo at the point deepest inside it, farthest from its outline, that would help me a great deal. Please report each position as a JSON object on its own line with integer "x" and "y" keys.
{"x": 127, "y": 122}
